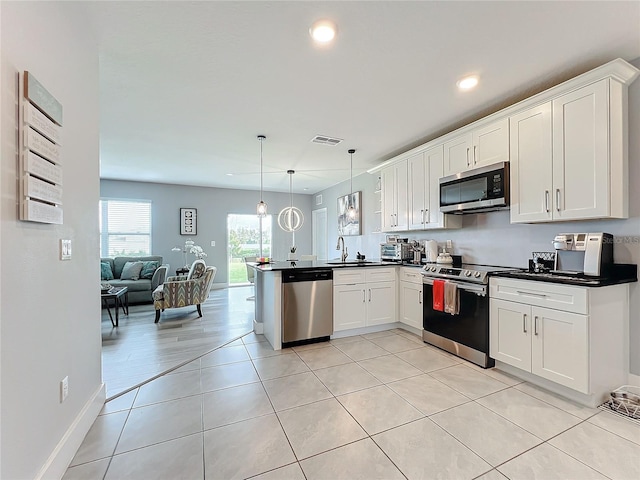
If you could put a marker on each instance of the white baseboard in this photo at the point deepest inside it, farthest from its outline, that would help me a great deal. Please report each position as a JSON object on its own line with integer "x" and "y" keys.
{"x": 59, "y": 460}
{"x": 258, "y": 328}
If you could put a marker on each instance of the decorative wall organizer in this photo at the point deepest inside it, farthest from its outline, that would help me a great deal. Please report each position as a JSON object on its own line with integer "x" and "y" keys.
{"x": 188, "y": 221}
{"x": 40, "y": 144}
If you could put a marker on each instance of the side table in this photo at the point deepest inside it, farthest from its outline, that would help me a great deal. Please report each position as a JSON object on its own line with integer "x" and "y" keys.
{"x": 182, "y": 271}
{"x": 120, "y": 297}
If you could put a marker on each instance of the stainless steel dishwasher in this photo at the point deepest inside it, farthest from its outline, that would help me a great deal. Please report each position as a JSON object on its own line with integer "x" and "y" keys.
{"x": 307, "y": 305}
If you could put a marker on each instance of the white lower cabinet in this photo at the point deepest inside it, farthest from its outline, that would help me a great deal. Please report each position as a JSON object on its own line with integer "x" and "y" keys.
{"x": 570, "y": 335}
{"x": 363, "y": 297}
{"x": 411, "y": 297}
{"x": 549, "y": 343}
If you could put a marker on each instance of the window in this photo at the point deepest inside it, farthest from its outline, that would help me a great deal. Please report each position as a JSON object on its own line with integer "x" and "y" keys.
{"x": 125, "y": 227}
{"x": 243, "y": 240}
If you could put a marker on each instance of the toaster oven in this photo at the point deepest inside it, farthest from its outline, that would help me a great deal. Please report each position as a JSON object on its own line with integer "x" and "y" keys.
{"x": 395, "y": 252}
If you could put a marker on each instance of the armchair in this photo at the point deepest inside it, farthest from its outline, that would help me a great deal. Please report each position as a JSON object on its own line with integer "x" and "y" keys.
{"x": 182, "y": 291}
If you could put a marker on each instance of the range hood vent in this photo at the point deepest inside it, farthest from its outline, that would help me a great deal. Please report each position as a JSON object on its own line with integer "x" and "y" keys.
{"x": 326, "y": 140}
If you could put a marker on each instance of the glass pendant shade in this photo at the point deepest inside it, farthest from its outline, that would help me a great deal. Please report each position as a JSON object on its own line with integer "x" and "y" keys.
{"x": 351, "y": 211}
{"x": 261, "y": 208}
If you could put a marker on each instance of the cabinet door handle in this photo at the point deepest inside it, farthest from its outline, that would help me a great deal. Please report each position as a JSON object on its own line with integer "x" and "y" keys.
{"x": 524, "y": 323}
{"x": 535, "y": 325}
{"x": 421, "y": 215}
{"x": 468, "y": 157}
{"x": 475, "y": 159}
{"x": 426, "y": 216}
{"x": 557, "y": 199}
{"x": 541, "y": 295}
{"x": 364, "y": 298}
{"x": 369, "y": 294}
{"x": 546, "y": 200}
{"x": 420, "y": 297}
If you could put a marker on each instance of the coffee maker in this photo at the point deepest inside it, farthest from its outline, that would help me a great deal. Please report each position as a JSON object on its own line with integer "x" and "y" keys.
{"x": 583, "y": 253}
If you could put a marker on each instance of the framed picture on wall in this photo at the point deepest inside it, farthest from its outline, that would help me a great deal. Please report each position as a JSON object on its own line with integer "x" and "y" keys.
{"x": 188, "y": 221}
{"x": 349, "y": 215}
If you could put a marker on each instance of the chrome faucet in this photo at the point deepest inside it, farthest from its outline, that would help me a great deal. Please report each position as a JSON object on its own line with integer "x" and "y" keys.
{"x": 345, "y": 253}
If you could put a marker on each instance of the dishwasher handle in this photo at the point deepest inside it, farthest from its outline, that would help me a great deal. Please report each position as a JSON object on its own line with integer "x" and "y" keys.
{"x": 313, "y": 275}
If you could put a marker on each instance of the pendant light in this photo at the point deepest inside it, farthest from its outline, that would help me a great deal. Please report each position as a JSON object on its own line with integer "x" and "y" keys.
{"x": 262, "y": 207}
{"x": 290, "y": 218}
{"x": 351, "y": 212}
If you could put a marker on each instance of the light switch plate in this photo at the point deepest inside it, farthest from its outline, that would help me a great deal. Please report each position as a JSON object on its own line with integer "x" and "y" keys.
{"x": 65, "y": 249}
{"x": 213, "y": 243}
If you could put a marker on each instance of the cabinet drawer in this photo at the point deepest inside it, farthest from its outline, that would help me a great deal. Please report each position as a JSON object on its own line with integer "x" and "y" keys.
{"x": 411, "y": 275}
{"x": 542, "y": 294}
{"x": 386, "y": 274}
{"x": 348, "y": 276}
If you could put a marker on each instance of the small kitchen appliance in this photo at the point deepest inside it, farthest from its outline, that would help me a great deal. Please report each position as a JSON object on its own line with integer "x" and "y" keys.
{"x": 588, "y": 254}
{"x": 465, "y": 334}
{"x": 431, "y": 250}
{"x": 483, "y": 189}
{"x": 396, "y": 252}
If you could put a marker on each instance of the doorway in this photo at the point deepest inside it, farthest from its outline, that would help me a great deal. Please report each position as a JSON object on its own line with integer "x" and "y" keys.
{"x": 319, "y": 232}
{"x": 243, "y": 240}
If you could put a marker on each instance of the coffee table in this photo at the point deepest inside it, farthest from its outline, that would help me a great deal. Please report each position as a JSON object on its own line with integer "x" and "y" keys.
{"x": 120, "y": 297}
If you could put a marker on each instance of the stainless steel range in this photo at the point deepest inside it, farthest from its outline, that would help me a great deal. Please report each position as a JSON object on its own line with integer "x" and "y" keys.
{"x": 465, "y": 334}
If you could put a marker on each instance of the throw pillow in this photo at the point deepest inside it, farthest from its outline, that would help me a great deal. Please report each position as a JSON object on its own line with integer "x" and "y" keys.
{"x": 105, "y": 271}
{"x": 131, "y": 271}
{"x": 148, "y": 269}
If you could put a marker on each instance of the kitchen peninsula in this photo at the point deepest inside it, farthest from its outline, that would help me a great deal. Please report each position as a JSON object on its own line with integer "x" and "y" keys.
{"x": 270, "y": 279}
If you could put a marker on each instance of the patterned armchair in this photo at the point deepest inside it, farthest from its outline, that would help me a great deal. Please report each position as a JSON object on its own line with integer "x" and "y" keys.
{"x": 185, "y": 290}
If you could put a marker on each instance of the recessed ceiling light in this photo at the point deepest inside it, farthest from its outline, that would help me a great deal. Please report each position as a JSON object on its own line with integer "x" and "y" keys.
{"x": 323, "y": 31}
{"x": 467, "y": 83}
{"x": 229, "y": 174}
{"x": 305, "y": 189}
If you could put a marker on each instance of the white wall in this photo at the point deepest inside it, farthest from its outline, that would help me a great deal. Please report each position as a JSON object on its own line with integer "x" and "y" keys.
{"x": 489, "y": 238}
{"x": 213, "y": 204}
{"x": 49, "y": 309}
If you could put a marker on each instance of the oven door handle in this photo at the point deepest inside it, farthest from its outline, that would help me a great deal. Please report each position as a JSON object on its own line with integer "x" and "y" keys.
{"x": 469, "y": 287}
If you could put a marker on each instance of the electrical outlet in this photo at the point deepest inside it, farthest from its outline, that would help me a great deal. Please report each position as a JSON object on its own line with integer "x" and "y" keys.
{"x": 213, "y": 243}
{"x": 449, "y": 244}
{"x": 65, "y": 249}
{"x": 64, "y": 389}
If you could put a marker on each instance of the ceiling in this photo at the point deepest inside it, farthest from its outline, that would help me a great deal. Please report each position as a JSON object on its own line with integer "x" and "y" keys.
{"x": 186, "y": 87}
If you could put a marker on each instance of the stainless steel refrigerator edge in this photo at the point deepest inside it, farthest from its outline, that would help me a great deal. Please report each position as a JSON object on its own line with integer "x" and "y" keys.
{"x": 307, "y": 304}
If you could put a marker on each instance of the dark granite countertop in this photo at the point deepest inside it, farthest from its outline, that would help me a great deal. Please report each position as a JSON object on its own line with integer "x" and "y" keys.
{"x": 620, "y": 273}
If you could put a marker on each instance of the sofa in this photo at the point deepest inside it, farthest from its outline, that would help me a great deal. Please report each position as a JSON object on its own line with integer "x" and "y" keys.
{"x": 140, "y": 290}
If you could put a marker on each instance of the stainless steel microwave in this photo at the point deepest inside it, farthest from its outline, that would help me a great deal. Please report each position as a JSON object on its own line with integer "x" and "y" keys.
{"x": 482, "y": 189}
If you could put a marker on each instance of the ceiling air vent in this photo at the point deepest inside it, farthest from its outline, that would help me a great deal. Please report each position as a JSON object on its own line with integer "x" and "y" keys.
{"x": 325, "y": 140}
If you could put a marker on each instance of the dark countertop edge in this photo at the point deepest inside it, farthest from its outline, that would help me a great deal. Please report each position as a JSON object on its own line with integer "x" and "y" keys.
{"x": 317, "y": 265}
{"x": 595, "y": 283}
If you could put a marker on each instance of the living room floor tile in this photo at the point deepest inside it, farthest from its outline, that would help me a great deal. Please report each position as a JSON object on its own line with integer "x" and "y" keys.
{"x": 234, "y": 404}
{"x": 489, "y": 435}
{"x": 545, "y": 461}
{"x": 318, "y": 427}
{"x": 535, "y": 416}
{"x": 379, "y": 408}
{"x": 428, "y": 394}
{"x": 247, "y": 448}
{"x": 362, "y": 350}
{"x": 422, "y": 449}
{"x": 360, "y": 460}
{"x": 323, "y": 357}
{"x": 169, "y": 387}
{"x": 176, "y": 459}
{"x": 346, "y": 378}
{"x": 389, "y": 368}
{"x": 279, "y": 366}
{"x": 467, "y": 381}
{"x": 161, "y": 422}
{"x": 230, "y": 375}
{"x": 295, "y": 390}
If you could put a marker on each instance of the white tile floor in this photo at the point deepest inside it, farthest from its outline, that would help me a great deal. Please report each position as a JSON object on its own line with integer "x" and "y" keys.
{"x": 376, "y": 406}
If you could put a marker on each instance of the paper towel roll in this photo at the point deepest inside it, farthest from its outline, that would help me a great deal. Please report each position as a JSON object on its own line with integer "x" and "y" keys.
{"x": 431, "y": 250}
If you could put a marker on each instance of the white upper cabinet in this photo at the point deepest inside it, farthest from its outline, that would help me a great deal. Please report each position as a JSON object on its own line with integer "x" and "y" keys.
{"x": 567, "y": 157}
{"x": 425, "y": 170}
{"x": 394, "y": 198}
{"x": 531, "y": 165}
{"x": 581, "y": 179}
{"x": 481, "y": 146}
